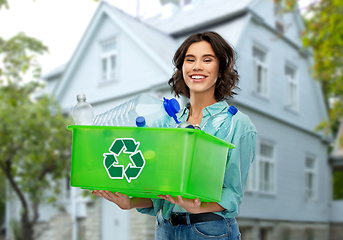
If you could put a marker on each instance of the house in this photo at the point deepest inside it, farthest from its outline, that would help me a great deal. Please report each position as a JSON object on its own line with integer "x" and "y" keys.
{"x": 288, "y": 195}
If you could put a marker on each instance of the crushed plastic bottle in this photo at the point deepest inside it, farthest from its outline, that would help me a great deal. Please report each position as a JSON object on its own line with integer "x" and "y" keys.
{"x": 157, "y": 113}
{"x": 185, "y": 124}
{"x": 220, "y": 125}
{"x": 82, "y": 111}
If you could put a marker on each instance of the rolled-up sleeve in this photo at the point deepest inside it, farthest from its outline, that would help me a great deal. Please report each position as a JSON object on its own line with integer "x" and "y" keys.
{"x": 236, "y": 173}
{"x": 157, "y": 205}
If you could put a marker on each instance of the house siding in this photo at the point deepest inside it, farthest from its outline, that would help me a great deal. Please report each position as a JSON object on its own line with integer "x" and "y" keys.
{"x": 136, "y": 70}
{"x": 291, "y": 132}
{"x": 291, "y": 147}
{"x": 279, "y": 53}
{"x": 292, "y": 23}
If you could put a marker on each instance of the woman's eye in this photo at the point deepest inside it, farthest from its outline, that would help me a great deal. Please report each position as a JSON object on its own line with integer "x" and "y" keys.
{"x": 208, "y": 60}
{"x": 190, "y": 60}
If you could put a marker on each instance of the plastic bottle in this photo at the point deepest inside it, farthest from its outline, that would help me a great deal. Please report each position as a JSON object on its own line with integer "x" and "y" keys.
{"x": 185, "y": 125}
{"x": 220, "y": 125}
{"x": 82, "y": 111}
{"x": 140, "y": 122}
{"x": 157, "y": 113}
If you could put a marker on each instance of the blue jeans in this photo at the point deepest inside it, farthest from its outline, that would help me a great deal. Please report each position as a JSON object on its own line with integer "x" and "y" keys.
{"x": 222, "y": 229}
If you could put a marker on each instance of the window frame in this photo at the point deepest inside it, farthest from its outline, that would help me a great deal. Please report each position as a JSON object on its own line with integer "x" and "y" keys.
{"x": 260, "y": 88}
{"x": 291, "y": 103}
{"x": 314, "y": 171}
{"x": 111, "y": 73}
{"x": 252, "y": 183}
{"x": 262, "y": 160}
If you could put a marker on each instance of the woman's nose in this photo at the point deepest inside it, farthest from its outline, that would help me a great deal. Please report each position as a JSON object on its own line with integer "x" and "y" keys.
{"x": 197, "y": 66}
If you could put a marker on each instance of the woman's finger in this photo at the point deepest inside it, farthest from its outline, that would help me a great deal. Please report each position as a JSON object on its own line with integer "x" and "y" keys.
{"x": 197, "y": 202}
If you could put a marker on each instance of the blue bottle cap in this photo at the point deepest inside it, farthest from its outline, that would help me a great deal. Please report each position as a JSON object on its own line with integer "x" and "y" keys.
{"x": 232, "y": 109}
{"x": 140, "y": 121}
{"x": 172, "y": 107}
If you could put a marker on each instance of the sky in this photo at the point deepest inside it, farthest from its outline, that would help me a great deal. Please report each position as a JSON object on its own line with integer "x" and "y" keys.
{"x": 60, "y": 24}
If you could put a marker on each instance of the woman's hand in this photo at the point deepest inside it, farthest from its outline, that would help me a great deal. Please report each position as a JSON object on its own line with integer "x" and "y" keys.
{"x": 122, "y": 200}
{"x": 190, "y": 205}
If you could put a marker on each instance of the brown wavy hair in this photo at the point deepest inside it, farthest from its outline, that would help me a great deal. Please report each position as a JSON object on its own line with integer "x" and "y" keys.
{"x": 226, "y": 55}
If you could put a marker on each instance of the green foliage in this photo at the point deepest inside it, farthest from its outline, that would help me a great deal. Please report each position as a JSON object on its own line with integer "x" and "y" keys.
{"x": 18, "y": 57}
{"x": 33, "y": 137}
{"x": 337, "y": 185}
{"x": 324, "y": 34}
{"x": 3, "y": 3}
{"x": 2, "y": 198}
{"x": 34, "y": 141}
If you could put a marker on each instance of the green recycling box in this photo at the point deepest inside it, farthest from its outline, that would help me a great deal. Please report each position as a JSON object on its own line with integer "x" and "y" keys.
{"x": 146, "y": 162}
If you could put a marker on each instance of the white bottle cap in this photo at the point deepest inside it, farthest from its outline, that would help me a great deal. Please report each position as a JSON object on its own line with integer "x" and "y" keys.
{"x": 81, "y": 96}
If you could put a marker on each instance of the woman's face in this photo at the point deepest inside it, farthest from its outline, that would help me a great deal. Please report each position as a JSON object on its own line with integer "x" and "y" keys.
{"x": 200, "y": 68}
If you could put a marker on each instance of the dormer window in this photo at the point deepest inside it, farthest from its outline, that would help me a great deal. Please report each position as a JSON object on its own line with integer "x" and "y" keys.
{"x": 278, "y": 13}
{"x": 108, "y": 60}
{"x": 279, "y": 27}
{"x": 186, "y": 2}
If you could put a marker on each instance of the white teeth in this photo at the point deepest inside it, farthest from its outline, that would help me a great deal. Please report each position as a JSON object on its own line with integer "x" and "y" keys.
{"x": 198, "y": 77}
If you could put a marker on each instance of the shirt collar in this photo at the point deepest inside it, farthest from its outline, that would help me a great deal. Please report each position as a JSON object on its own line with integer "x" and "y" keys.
{"x": 215, "y": 108}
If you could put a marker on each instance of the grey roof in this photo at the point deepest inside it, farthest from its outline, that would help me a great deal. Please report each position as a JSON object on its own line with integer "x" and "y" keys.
{"x": 157, "y": 33}
{"x": 55, "y": 72}
{"x": 161, "y": 43}
{"x": 202, "y": 14}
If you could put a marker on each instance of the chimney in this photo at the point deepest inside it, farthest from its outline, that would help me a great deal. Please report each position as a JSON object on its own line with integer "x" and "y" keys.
{"x": 169, "y": 9}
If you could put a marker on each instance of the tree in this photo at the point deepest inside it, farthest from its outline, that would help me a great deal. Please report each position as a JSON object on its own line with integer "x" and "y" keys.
{"x": 2, "y": 201}
{"x": 3, "y": 3}
{"x": 324, "y": 35}
{"x": 34, "y": 142}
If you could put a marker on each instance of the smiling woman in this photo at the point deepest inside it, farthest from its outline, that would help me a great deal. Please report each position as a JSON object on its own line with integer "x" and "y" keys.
{"x": 210, "y": 48}
{"x": 205, "y": 74}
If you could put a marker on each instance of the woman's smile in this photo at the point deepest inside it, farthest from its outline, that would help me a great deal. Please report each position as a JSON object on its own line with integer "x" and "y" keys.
{"x": 198, "y": 77}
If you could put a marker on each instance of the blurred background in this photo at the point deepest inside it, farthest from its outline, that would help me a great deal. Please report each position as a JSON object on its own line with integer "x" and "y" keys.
{"x": 289, "y": 62}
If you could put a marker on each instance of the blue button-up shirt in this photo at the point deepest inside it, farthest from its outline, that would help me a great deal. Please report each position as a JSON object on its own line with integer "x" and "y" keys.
{"x": 243, "y": 136}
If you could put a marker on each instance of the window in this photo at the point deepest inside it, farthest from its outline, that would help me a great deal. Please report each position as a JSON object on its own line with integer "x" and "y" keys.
{"x": 251, "y": 181}
{"x": 286, "y": 234}
{"x": 108, "y": 61}
{"x": 264, "y": 234}
{"x": 266, "y": 168}
{"x": 278, "y": 13}
{"x": 291, "y": 88}
{"x": 187, "y": 2}
{"x": 309, "y": 234}
{"x": 310, "y": 177}
{"x": 65, "y": 188}
{"x": 260, "y": 71}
